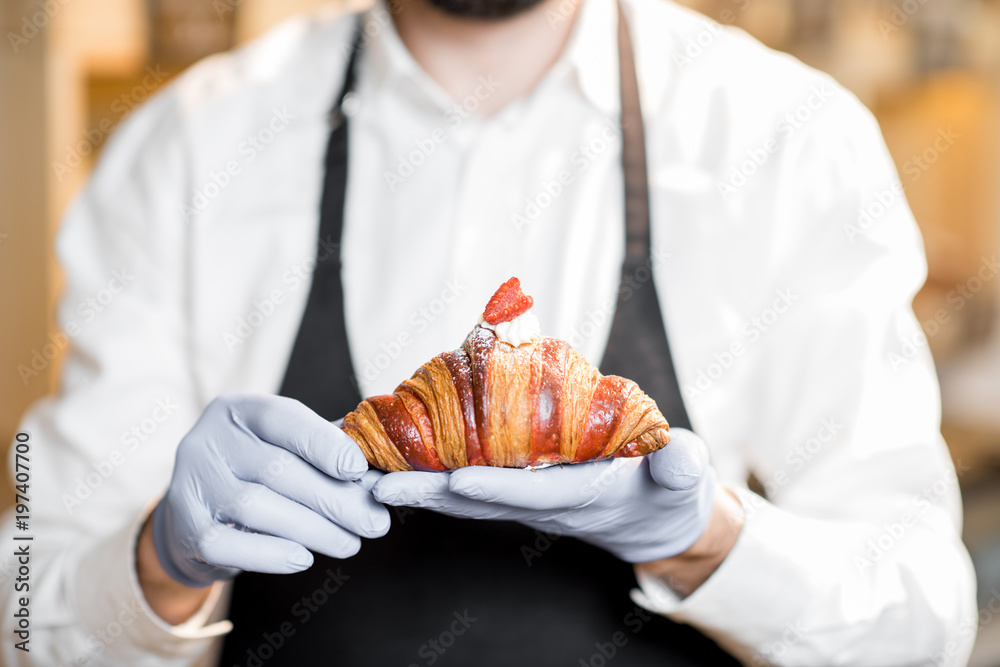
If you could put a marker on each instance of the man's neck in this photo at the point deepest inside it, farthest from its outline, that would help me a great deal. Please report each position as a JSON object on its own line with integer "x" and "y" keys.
{"x": 515, "y": 52}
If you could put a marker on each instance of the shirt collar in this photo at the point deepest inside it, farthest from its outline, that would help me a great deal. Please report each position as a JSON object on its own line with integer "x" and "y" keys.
{"x": 388, "y": 61}
{"x": 589, "y": 61}
{"x": 591, "y": 55}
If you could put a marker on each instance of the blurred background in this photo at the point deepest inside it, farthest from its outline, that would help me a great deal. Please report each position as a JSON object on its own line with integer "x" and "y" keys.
{"x": 71, "y": 70}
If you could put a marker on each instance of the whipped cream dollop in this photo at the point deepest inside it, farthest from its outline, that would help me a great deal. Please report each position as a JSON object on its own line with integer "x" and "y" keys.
{"x": 521, "y": 330}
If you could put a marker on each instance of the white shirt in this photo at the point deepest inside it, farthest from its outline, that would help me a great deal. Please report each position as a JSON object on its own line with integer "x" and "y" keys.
{"x": 787, "y": 313}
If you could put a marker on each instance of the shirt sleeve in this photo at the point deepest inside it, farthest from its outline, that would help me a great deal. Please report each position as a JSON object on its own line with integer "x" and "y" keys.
{"x": 102, "y": 449}
{"x": 855, "y": 556}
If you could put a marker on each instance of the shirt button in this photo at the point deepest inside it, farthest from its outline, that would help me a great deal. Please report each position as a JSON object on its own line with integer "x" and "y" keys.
{"x": 350, "y": 104}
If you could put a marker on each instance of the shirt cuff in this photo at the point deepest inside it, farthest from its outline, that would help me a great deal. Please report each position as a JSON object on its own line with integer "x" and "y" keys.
{"x": 739, "y": 605}
{"x": 114, "y": 610}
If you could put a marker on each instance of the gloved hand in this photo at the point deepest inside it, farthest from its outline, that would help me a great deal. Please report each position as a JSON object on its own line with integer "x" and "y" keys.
{"x": 257, "y": 482}
{"x": 639, "y": 509}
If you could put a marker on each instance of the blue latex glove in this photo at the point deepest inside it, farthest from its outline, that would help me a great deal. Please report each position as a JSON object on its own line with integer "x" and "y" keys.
{"x": 258, "y": 482}
{"x": 639, "y": 509}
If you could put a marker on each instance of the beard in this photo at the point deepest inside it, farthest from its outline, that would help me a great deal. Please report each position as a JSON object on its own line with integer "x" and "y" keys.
{"x": 483, "y": 9}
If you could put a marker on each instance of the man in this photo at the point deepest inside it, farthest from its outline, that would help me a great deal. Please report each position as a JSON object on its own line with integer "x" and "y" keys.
{"x": 456, "y": 143}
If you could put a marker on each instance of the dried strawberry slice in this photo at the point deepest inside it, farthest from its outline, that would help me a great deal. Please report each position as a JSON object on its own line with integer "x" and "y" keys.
{"x": 507, "y": 303}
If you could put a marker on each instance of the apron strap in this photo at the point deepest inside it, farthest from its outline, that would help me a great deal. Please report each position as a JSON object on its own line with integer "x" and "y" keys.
{"x": 637, "y": 347}
{"x": 320, "y": 372}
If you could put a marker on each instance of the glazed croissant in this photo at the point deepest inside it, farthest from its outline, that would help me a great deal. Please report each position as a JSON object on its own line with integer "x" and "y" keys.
{"x": 500, "y": 404}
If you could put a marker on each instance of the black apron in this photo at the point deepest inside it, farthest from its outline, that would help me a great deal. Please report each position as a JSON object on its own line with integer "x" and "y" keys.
{"x": 444, "y": 591}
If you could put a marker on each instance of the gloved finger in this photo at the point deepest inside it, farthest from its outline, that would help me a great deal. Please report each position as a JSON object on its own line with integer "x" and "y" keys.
{"x": 288, "y": 423}
{"x": 557, "y": 487}
{"x": 681, "y": 464}
{"x": 405, "y": 488}
{"x": 230, "y": 547}
{"x": 367, "y": 481}
{"x": 347, "y": 504}
{"x": 265, "y": 511}
{"x": 429, "y": 490}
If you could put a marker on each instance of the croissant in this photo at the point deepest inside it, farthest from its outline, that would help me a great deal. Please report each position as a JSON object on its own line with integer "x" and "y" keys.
{"x": 500, "y": 403}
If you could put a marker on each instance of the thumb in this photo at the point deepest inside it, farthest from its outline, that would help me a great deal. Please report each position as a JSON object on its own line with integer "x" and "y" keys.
{"x": 679, "y": 465}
